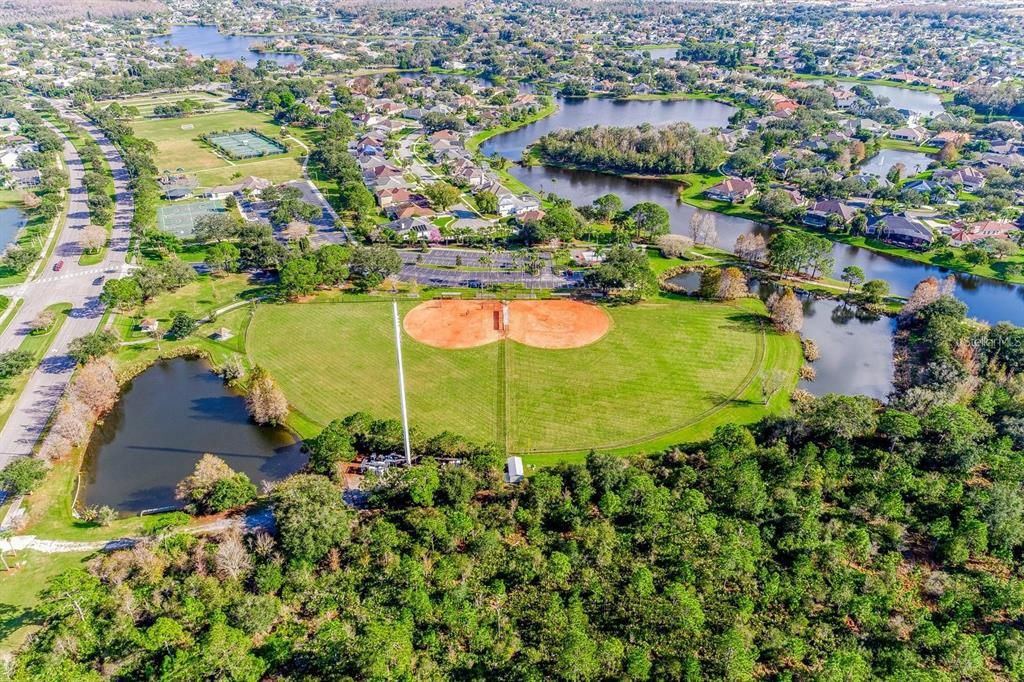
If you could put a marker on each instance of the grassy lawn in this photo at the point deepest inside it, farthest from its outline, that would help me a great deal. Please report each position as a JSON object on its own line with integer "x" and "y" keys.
{"x": 889, "y": 143}
{"x": 334, "y": 359}
{"x": 667, "y": 367}
{"x": 20, "y": 588}
{"x": 177, "y": 148}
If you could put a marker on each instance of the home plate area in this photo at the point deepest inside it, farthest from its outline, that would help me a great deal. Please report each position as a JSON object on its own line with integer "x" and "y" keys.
{"x": 543, "y": 324}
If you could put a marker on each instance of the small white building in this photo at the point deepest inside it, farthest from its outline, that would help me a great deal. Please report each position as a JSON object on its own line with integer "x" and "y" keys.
{"x": 513, "y": 470}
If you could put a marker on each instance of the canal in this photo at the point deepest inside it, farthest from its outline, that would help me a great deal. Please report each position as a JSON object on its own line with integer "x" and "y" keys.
{"x": 987, "y": 300}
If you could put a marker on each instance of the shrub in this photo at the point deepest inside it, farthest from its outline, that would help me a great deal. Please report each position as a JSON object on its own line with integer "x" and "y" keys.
{"x": 22, "y": 475}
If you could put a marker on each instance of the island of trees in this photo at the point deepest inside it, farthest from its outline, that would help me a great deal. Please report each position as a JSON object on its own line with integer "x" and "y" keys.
{"x": 645, "y": 149}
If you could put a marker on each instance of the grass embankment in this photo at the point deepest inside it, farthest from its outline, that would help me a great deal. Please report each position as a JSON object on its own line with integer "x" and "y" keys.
{"x": 473, "y": 143}
{"x": 507, "y": 179}
{"x": 199, "y": 300}
{"x": 869, "y": 81}
{"x": 179, "y": 148}
{"x": 665, "y": 369}
{"x": 37, "y": 344}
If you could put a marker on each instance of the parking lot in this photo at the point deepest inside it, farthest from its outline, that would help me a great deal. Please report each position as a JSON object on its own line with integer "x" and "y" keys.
{"x": 437, "y": 267}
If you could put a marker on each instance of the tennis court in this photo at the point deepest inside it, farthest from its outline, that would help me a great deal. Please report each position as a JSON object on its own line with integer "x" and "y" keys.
{"x": 245, "y": 145}
{"x": 179, "y": 219}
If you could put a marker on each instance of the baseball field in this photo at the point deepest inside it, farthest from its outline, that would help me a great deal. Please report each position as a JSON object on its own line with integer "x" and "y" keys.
{"x": 653, "y": 374}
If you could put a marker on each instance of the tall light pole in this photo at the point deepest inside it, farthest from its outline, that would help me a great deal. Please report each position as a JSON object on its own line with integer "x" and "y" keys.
{"x": 401, "y": 383}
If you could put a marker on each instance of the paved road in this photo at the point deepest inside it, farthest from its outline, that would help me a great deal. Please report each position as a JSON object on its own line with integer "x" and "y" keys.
{"x": 75, "y": 284}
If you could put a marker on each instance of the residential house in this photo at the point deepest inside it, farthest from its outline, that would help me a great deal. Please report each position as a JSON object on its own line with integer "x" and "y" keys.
{"x": 821, "y": 212}
{"x": 962, "y": 233}
{"x": 732, "y": 190}
{"x": 513, "y": 204}
{"x": 26, "y": 177}
{"x": 926, "y": 188}
{"x": 969, "y": 178}
{"x": 413, "y": 228}
{"x": 10, "y": 125}
{"x": 9, "y": 157}
{"x": 394, "y": 195}
{"x": 409, "y": 210}
{"x": 902, "y": 230}
{"x": 949, "y": 137}
{"x": 914, "y": 134}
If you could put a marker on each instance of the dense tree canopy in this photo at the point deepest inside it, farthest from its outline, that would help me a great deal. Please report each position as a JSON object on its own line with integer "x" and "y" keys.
{"x": 663, "y": 150}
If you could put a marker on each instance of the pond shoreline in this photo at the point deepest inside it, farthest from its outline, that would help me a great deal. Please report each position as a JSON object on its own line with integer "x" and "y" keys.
{"x": 219, "y": 409}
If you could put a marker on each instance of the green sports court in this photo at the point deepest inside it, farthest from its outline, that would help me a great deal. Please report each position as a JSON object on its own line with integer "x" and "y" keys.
{"x": 180, "y": 219}
{"x": 245, "y": 145}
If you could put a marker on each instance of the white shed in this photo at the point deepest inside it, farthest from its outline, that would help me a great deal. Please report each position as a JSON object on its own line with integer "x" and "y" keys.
{"x": 513, "y": 470}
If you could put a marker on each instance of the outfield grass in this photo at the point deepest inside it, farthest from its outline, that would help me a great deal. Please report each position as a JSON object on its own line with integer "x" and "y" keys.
{"x": 177, "y": 148}
{"x": 334, "y": 359}
{"x": 664, "y": 368}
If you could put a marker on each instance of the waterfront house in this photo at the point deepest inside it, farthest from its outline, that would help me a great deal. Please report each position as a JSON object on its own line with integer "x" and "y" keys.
{"x": 913, "y": 134}
{"x": 820, "y": 213}
{"x": 901, "y": 230}
{"x": 733, "y": 190}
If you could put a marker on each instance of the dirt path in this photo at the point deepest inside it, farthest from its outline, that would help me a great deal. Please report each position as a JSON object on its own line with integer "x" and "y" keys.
{"x": 249, "y": 523}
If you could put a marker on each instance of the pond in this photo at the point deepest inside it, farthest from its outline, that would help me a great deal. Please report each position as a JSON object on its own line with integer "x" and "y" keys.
{"x": 656, "y": 53}
{"x": 917, "y": 101}
{"x": 591, "y": 111}
{"x": 209, "y": 42}
{"x": 165, "y": 420}
{"x": 11, "y": 222}
{"x": 856, "y": 347}
{"x": 881, "y": 163}
{"x": 987, "y": 300}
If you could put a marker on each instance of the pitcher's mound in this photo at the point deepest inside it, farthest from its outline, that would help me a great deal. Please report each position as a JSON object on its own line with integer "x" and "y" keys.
{"x": 543, "y": 324}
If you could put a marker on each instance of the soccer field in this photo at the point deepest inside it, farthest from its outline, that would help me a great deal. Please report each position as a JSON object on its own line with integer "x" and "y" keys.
{"x": 667, "y": 369}
{"x": 181, "y": 149}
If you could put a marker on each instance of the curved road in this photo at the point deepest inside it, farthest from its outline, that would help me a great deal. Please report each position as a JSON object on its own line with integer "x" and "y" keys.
{"x": 80, "y": 286}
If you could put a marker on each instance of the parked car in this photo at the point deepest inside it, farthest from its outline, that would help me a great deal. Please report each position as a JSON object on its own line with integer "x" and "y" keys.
{"x": 58, "y": 266}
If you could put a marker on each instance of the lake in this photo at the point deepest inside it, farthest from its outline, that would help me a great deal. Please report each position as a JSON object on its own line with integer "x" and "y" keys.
{"x": 987, "y": 300}
{"x": 11, "y": 222}
{"x": 165, "y": 420}
{"x": 209, "y": 42}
